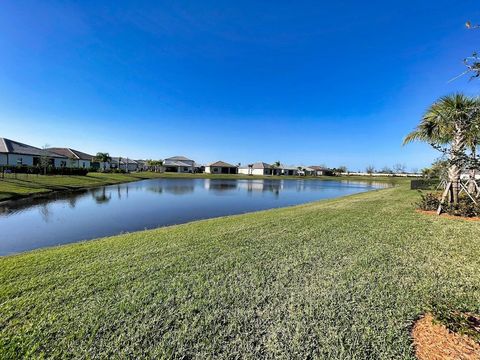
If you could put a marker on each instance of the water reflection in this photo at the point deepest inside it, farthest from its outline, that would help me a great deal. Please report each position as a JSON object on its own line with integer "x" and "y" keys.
{"x": 85, "y": 214}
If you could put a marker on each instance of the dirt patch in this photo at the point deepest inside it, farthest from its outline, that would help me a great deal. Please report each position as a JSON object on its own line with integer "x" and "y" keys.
{"x": 447, "y": 216}
{"x": 434, "y": 341}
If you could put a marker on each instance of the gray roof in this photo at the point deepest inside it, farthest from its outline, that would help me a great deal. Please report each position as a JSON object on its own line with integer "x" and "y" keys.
{"x": 169, "y": 162}
{"x": 15, "y": 147}
{"x": 258, "y": 165}
{"x": 319, "y": 168}
{"x": 123, "y": 161}
{"x": 71, "y": 153}
{"x": 178, "y": 158}
{"x": 221, "y": 164}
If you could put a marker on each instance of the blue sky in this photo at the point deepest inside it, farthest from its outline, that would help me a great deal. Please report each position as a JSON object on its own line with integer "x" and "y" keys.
{"x": 304, "y": 82}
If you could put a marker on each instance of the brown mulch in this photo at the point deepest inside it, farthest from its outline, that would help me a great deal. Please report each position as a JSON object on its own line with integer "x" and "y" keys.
{"x": 447, "y": 216}
{"x": 434, "y": 341}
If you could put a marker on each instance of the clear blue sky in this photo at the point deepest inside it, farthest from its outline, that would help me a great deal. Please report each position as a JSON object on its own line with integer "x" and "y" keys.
{"x": 303, "y": 82}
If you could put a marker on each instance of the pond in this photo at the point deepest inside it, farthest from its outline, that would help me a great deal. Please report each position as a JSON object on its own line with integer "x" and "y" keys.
{"x": 66, "y": 217}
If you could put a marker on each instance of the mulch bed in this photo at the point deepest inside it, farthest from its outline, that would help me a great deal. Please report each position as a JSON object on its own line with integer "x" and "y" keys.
{"x": 448, "y": 216}
{"x": 434, "y": 341}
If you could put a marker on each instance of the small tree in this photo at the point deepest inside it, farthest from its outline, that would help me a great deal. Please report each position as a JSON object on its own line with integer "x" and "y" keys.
{"x": 386, "y": 170}
{"x": 275, "y": 166}
{"x": 370, "y": 169}
{"x": 103, "y": 158}
{"x": 45, "y": 158}
{"x": 399, "y": 168}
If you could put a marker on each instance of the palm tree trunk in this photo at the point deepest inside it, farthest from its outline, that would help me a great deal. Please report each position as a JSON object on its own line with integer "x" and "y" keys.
{"x": 454, "y": 171}
{"x": 472, "y": 185}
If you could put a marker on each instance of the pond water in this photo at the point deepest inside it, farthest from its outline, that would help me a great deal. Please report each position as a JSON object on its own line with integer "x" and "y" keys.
{"x": 67, "y": 217}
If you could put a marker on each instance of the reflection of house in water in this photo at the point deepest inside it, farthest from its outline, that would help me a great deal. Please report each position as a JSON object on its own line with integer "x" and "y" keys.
{"x": 179, "y": 188}
{"x": 220, "y": 185}
{"x": 70, "y": 197}
{"x": 262, "y": 186}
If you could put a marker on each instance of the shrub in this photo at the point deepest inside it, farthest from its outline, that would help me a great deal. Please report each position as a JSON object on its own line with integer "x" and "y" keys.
{"x": 429, "y": 202}
{"x": 39, "y": 170}
{"x": 465, "y": 207}
{"x": 424, "y": 184}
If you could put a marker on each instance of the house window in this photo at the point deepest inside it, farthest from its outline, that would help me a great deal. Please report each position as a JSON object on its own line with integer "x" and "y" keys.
{"x": 185, "y": 169}
{"x": 20, "y": 161}
{"x": 83, "y": 164}
{"x": 63, "y": 163}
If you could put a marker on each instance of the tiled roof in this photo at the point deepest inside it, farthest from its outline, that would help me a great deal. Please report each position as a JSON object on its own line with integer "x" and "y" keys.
{"x": 169, "y": 162}
{"x": 71, "y": 153}
{"x": 178, "y": 158}
{"x": 318, "y": 168}
{"x": 15, "y": 147}
{"x": 222, "y": 164}
{"x": 123, "y": 161}
{"x": 258, "y": 165}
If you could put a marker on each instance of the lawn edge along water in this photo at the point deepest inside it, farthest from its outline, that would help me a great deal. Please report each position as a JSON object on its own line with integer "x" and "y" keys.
{"x": 189, "y": 223}
{"x": 48, "y": 184}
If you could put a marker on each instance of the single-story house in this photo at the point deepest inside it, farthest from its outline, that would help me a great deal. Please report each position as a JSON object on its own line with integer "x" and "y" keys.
{"x": 289, "y": 170}
{"x": 321, "y": 170}
{"x": 221, "y": 167}
{"x": 122, "y": 163}
{"x": 76, "y": 159}
{"x": 14, "y": 153}
{"x": 179, "y": 164}
{"x": 142, "y": 165}
{"x": 259, "y": 168}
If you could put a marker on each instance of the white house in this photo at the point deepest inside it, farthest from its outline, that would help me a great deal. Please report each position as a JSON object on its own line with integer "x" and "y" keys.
{"x": 259, "y": 168}
{"x": 14, "y": 153}
{"x": 124, "y": 164}
{"x": 179, "y": 164}
{"x": 221, "y": 167}
{"x": 76, "y": 159}
{"x": 289, "y": 170}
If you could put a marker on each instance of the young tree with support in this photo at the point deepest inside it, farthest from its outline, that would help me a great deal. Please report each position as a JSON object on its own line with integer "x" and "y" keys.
{"x": 450, "y": 125}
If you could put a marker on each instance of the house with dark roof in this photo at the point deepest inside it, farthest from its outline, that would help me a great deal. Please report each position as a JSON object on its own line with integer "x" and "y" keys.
{"x": 258, "y": 168}
{"x": 320, "y": 170}
{"x": 76, "y": 159}
{"x": 14, "y": 153}
{"x": 221, "y": 167}
{"x": 179, "y": 164}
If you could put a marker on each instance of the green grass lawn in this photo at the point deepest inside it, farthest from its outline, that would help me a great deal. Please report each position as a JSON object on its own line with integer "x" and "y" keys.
{"x": 336, "y": 279}
{"x": 21, "y": 185}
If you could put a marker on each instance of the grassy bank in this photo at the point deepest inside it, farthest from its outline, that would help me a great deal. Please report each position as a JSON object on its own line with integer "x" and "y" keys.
{"x": 340, "y": 279}
{"x": 21, "y": 185}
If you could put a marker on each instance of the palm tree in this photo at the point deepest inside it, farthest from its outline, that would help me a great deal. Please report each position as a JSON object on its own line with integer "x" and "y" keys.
{"x": 451, "y": 124}
{"x": 274, "y": 166}
{"x": 250, "y": 169}
{"x": 103, "y": 158}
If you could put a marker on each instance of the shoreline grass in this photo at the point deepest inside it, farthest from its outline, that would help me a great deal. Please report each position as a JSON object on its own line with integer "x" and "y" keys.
{"x": 22, "y": 185}
{"x": 340, "y": 279}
